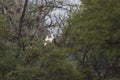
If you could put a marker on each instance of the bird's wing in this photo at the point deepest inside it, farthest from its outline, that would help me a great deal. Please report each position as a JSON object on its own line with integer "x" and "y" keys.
{"x": 46, "y": 38}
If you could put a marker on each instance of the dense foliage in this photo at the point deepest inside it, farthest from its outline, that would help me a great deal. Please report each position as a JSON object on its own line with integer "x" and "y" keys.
{"x": 95, "y": 38}
{"x": 90, "y": 52}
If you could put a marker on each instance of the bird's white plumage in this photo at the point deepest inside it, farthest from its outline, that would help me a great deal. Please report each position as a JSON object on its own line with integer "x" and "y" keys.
{"x": 48, "y": 39}
{"x": 45, "y": 43}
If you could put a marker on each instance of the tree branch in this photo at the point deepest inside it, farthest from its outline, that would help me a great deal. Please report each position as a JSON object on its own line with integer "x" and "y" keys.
{"x": 20, "y": 26}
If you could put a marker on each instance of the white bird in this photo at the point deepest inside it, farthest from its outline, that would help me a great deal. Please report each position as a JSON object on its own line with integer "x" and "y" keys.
{"x": 49, "y": 39}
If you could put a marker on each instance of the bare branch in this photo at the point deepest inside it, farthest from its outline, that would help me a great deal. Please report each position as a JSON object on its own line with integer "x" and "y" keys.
{"x": 21, "y": 19}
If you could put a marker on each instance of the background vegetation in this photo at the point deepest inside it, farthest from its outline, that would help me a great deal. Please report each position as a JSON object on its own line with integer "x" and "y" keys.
{"x": 88, "y": 48}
